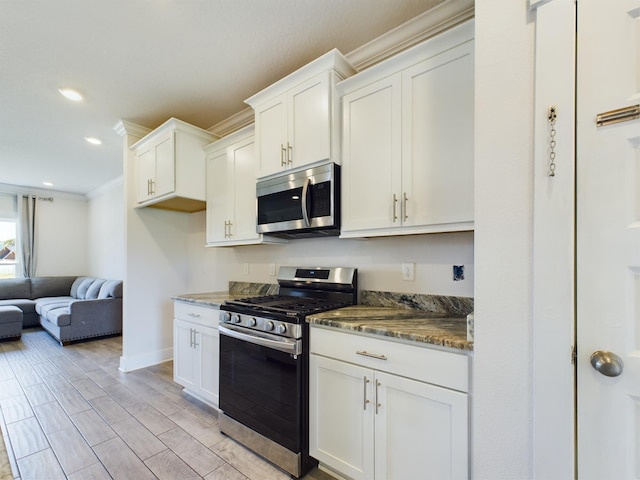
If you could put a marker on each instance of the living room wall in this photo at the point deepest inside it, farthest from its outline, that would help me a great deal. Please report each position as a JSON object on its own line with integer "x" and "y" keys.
{"x": 62, "y": 231}
{"x": 105, "y": 231}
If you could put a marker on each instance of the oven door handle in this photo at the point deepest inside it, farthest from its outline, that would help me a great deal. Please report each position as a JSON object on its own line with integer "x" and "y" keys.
{"x": 292, "y": 347}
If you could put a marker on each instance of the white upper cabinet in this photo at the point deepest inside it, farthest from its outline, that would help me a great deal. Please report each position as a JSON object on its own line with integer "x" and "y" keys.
{"x": 170, "y": 167}
{"x": 296, "y": 118}
{"x": 231, "y": 191}
{"x": 407, "y": 155}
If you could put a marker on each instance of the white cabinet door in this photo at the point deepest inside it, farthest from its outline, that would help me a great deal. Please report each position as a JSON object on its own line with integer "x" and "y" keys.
{"x": 165, "y": 178}
{"x": 437, "y": 139}
{"x": 244, "y": 196}
{"x": 146, "y": 172}
{"x": 184, "y": 361}
{"x": 271, "y": 135}
{"x": 219, "y": 195}
{"x": 309, "y": 121}
{"x": 207, "y": 350}
{"x": 371, "y": 174}
{"x": 421, "y": 430}
{"x": 341, "y": 416}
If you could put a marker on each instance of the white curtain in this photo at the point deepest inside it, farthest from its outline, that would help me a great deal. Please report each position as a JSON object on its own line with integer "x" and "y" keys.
{"x": 27, "y": 221}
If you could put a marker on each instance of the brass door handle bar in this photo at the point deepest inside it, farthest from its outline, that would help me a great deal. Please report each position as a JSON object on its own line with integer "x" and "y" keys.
{"x": 619, "y": 115}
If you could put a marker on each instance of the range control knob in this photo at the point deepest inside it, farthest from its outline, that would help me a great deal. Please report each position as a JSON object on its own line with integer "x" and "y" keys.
{"x": 268, "y": 326}
{"x": 226, "y": 317}
{"x": 251, "y": 322}
{"x": 235, "y": 318}
{"x": 282, "y": 328}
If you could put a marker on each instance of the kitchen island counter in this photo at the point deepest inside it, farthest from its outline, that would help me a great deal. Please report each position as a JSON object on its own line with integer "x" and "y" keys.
{"x": 400, "y": 323}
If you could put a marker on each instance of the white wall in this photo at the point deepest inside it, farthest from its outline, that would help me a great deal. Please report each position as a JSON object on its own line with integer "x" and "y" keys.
{"x": 61, "y": 230}
{"x": 62, "y": 236}
{"x": 502, "y": 404}
{"x": 106, "y": 231}
{"x": 378, "y": 261}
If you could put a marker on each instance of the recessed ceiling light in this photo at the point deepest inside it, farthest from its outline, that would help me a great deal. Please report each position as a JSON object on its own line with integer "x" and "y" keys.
{"x": 93, "y": 140}
{"x": 47, "y": 184}
{"x": 71, "y": 94}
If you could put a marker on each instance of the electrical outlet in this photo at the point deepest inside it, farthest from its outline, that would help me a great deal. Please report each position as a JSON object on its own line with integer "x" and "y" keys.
{"x": 458, "y": 273}
{"x": 245, "y": 268}
{"x": 272, "y": 269}
{"x": 408, "y": 272}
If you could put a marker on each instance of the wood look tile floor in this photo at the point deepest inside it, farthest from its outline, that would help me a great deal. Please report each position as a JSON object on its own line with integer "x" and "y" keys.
{"x": 68, "y": 413}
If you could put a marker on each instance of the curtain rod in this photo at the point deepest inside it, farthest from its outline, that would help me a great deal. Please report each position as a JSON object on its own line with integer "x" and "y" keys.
{"x": 46, "y": 199}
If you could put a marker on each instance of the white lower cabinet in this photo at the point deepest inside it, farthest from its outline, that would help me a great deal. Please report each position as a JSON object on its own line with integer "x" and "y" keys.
{"x": 196, "y": 347}
{"x": 366, "y": 423}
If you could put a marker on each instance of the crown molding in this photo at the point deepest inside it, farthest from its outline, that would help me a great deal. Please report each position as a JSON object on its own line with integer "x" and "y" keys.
{"x": 124, "y": 127}
{"x": 235, "y": 122}
{"x": 436, "y": 20}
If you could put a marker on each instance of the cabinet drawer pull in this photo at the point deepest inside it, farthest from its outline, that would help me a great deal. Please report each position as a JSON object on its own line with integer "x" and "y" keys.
{"x": 366, "y": 380}
{"x": 364, "y": 353}
{"x": 196, "y": 315}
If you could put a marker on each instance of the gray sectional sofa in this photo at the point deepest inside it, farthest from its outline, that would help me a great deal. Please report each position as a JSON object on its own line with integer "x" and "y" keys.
{"x": 69, "y": 308}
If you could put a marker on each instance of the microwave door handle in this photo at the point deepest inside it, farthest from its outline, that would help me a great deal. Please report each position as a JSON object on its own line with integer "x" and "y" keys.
{"x": 303, "y": 201}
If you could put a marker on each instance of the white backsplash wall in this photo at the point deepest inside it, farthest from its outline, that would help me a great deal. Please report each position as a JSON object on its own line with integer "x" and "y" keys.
{"x": 379, "y": 261}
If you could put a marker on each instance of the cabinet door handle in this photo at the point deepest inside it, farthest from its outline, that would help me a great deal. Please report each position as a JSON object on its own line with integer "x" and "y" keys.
{"x": 191, "y": 338}
{"x": 229, "y": 223}
{"x": 404, "y": 206}
{"x": 378, "y": 404}
{"x": 366, "y": 380}
{"x": 395, "y": 203}
{"x": 195, "y": 338}
{"x": 364, "y": 353}
{"x": 153, "y": 189}
{"x": 282, "y": 154}
{"x": 289, "y": 153}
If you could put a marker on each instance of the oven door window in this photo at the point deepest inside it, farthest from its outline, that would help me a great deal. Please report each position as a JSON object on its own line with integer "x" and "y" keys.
{"x": 262, "y": 388}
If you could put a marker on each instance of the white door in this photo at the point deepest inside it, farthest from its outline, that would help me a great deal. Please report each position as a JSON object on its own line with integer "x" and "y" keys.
{"x": 608, "y": 241}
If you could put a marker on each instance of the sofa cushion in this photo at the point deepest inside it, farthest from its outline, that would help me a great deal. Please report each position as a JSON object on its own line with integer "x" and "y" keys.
{"x": 74, "y": 286}
{"x": 42, "y": 303}
{"x": 59, "y": 316}
{"x": 111, "y": 289}
{"x": 94, "y": 289}
{"x": 27, "y": 306}
{"x": 15, "y": 288}
{"x": 83, "y": 287}
{"x": 50, "y": 286}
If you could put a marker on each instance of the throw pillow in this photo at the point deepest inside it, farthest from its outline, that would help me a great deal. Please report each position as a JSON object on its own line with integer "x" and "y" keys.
{"x": 94, "y": 289}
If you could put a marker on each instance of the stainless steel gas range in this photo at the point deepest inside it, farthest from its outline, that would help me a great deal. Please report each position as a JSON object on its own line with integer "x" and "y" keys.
{"x": 264, "y": 362}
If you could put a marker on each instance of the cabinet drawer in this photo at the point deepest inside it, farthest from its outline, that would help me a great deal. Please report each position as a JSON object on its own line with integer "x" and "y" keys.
{"x": 207, "y": 316}
{"x": 447, "y": 369}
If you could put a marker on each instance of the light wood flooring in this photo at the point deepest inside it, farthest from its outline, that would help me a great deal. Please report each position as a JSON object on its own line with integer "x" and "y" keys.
{"x": 67, "y": 412}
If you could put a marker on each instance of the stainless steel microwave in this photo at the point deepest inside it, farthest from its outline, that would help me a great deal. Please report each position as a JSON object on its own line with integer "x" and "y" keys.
{"x": 300, "y": 203}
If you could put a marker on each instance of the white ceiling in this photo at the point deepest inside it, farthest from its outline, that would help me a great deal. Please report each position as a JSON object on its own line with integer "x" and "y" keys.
{"x": 145, "y": 61}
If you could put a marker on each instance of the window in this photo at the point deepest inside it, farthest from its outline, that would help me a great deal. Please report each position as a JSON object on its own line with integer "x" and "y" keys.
{"x": 8, "y": 255}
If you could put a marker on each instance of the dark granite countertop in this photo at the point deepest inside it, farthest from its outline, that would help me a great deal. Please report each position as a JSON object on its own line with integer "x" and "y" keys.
{"x": 413, "y": 325}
